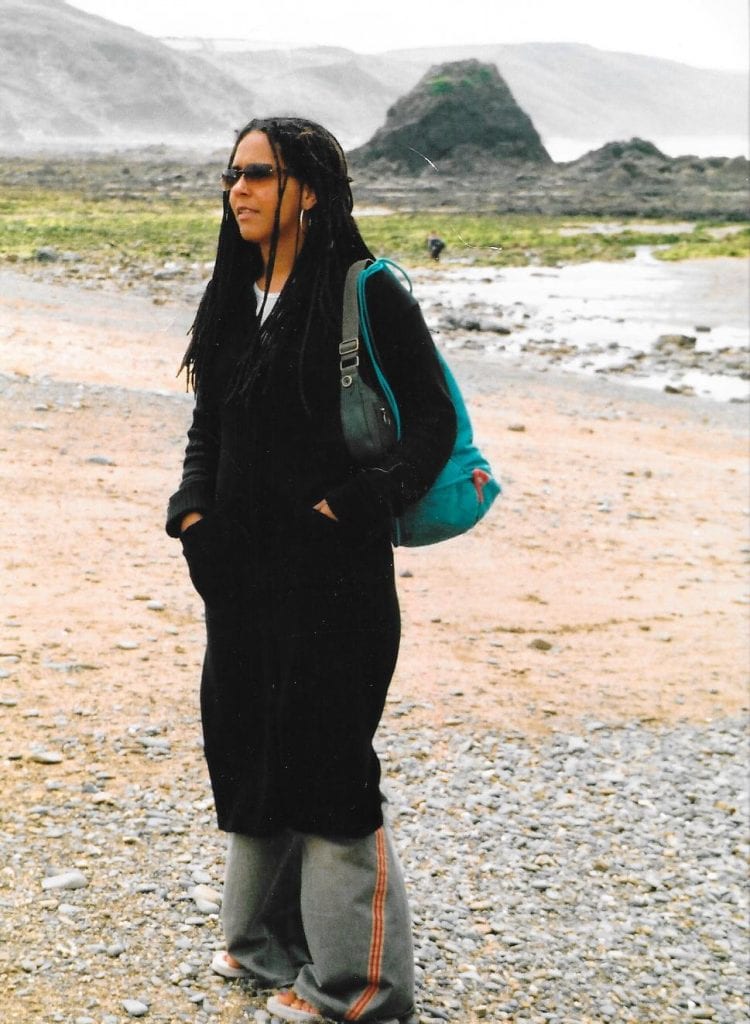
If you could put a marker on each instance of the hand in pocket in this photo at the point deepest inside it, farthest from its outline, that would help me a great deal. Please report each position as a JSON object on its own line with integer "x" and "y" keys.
{"x": 212, "y": 550}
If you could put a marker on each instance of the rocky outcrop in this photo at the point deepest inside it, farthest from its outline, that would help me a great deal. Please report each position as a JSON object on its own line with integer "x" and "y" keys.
{"x": 636, "y": 177}
{"x": 619, "y": 179}
{"x": 459, "y": 114}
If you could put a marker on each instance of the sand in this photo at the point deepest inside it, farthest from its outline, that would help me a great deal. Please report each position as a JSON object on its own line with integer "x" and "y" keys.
{"x": 608, "y": 584}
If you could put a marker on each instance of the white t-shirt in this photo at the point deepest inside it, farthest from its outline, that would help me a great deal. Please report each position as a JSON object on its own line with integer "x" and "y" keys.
{"x": 270, "y": 300}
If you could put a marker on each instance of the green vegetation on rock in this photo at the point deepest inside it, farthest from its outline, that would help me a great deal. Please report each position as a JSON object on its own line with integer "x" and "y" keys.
{"x": 440, "y": 86}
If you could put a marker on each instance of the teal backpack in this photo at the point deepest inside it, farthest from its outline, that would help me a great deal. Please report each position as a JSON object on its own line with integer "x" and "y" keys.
{"x": 465, "y": 488}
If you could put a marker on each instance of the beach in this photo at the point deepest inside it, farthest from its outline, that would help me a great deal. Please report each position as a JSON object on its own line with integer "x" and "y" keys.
{"x": 620, "y": 538}
{"x": 607, "y": 589}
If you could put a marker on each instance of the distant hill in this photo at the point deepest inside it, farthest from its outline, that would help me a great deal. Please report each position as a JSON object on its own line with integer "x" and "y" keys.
{"x": 569, "y": 90}
{"x": 578, "y": 91}
{"x": 67, "y": 76}
{"x": 457, "y": 112}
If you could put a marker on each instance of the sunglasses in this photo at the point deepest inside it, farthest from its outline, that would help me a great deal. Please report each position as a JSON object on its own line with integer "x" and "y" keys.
{"x": 251, "y": 172}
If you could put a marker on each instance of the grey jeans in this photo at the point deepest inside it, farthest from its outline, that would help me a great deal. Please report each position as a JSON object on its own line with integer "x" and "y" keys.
{"x": 328, "y": 917}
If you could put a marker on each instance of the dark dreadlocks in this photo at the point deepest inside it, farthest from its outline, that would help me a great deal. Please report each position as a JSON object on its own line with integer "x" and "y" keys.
{"x": 314, "y": 288}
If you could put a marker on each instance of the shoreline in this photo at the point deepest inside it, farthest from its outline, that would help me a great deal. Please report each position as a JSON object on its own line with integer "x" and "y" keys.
{"x": 677, "y": 327}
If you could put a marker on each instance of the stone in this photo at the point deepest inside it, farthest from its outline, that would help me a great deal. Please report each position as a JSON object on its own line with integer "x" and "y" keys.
{"x": 205, "y": 892}
{"x": 207, "y": 907}
{"x": 46, "y": 757}
{"x": 675, "y": 341}
{"x": 73, "y": 879}
{"x": 134, "y": 1007}
{"x": 539, "y": 644}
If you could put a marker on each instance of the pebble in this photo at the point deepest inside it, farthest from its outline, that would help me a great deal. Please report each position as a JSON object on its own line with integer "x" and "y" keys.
{"x": 595, "y": 875}
{"x": 45, "y": 757}
{"x": 206, "y": 897}
{"x": 207, "y": 907}
{"x": 134, "y": 1007}
{"x": 65, "y": 880}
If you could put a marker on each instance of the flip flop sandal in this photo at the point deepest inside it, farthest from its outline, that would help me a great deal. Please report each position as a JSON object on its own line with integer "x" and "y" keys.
{"x": 279, "y": 1009}
{"x": 220, "y": 965}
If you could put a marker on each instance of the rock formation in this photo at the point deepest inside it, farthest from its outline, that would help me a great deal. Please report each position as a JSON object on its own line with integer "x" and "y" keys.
{"x": 460, "y": 114}
{"x": 625, "y": 178}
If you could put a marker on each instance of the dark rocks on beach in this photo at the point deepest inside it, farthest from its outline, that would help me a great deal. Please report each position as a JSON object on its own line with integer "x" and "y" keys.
{"x": 630, "y": 178}
{"x": 684, "y": 341}
{"x": 46, "y": 254}
{"x": 621, "y": 179}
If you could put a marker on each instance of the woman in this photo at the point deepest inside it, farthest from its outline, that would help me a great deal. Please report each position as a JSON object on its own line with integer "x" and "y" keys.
{"x": 288, "y": 543}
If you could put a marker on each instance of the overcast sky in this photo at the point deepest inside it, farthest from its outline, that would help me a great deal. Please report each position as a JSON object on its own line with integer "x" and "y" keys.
{"x": 706, "y": 33}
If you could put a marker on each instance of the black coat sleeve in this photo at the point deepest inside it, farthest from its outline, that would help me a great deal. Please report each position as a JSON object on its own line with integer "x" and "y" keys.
{"x": 428, "y": 420}
{"x": 198, "y": 485}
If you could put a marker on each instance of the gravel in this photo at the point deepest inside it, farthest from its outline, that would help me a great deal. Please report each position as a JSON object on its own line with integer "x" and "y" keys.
{"x": 580, "y": 879}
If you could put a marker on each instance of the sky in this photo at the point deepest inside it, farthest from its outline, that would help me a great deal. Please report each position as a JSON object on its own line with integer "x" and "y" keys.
{"x": 704, "y": 33}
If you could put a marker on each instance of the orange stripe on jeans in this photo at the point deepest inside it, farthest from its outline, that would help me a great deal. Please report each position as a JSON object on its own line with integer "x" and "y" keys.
{"x": 375, "y": 960}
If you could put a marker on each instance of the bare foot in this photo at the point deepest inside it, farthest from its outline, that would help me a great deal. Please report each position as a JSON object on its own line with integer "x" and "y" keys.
{"x": 290, "y": 998}
{"x": 225, "y": 964}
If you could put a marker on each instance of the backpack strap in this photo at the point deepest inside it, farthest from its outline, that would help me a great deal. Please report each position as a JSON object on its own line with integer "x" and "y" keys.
{"x": 365, "y": 328}
{"x": 349, "y": 344}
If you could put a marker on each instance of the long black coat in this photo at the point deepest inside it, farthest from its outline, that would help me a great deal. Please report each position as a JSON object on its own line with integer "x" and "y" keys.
{"x": 301, "y": 611}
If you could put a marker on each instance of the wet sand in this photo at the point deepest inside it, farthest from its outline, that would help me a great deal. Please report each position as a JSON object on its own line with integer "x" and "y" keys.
{"x": 681, "y": 326}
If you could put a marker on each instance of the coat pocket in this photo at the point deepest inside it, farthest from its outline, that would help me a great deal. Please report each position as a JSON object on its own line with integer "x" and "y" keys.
{"x": 215, "y": 558}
